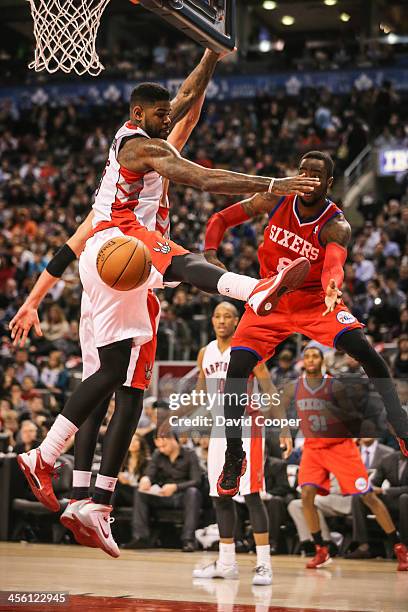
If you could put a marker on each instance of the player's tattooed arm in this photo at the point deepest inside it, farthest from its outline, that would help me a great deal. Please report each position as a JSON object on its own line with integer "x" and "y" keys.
{"x": 194, "y": 86}
{"x": 273, "y": 408}
{"x": 142, "y": 155}
{"x": 336, "y": 230}
{"x": 259, "y": 204}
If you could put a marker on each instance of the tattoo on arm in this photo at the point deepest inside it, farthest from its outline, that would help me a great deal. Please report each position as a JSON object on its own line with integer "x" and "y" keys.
{"x": 337, "y": 230}
{"x": 258, "y": 205}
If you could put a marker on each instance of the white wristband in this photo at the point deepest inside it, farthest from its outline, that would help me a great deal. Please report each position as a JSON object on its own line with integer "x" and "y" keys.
{"x": 271, "y": 185}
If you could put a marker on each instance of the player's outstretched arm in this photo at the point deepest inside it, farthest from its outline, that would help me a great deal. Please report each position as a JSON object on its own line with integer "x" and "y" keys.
{"x": 335, "y": 236}
{"x": 142, "y": 155}
{"x": 232, "y": 216}
{"x": 194, "y": 86}
{"x": 27, "y": 315}
{"x": 274, "y": 408}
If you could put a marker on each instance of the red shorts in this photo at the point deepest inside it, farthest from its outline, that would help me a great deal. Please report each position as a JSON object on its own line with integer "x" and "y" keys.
{"x": 162, "y": 250}
{"x": 342, "y": 460}
{"x": 297, "y": 312}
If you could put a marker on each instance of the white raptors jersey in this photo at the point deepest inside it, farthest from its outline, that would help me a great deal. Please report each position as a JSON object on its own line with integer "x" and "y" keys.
{"x": 124, "y": 196}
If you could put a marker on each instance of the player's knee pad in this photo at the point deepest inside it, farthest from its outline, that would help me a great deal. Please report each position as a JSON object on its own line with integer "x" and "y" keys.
{"x": 355, "y": 344}
{"x": 241, "y": 364}
{"x": 257, "y": 513}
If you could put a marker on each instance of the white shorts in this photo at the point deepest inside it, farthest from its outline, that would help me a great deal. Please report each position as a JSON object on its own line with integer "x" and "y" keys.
{"x": 141, "y": 360}
{"x": 253, "y": 440}
{"x": 116, "y": 315}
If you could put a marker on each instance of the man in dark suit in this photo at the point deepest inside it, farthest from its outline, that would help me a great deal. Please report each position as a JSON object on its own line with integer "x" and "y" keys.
{"x": 390, "y": 482}
{"x": 177, "y": 475}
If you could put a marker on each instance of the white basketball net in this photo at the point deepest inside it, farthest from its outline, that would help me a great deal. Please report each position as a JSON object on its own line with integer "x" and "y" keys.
{"x": 65, "y": 33}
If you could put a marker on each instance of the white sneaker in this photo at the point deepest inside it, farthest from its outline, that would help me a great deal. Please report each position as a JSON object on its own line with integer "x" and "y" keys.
{"x": 216, "y": 570}
{"x": 263, "y": 575}
{"x": 69, "y": 518}
{"x": 95, "y": 519}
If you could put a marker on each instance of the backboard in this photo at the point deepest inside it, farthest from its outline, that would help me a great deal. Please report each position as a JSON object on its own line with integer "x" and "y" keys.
{"x": 209, "y": 22}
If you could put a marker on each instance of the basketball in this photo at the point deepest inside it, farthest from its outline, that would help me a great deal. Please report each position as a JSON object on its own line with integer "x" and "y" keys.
{"x": 124, "y": 263}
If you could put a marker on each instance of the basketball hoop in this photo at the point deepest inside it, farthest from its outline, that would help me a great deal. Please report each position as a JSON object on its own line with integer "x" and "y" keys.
{"x": 65, "y": 33}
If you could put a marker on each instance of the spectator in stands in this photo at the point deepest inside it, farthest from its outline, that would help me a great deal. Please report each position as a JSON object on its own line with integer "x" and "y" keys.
{"x": 400, "y": 363}
{"x": 55, "y": 326}
{"x": 27, "y": 438}
{"x": 54, "y": 376}
{"x": 394, "y": 469}
{"x": 10, "y": 425}
{"x": 177, "y": 473}
{"x": 134, "y": 468}
{"x": 285, "y": 371}
{"x": 16, "y": 397}
{"x": 24, "y": 367}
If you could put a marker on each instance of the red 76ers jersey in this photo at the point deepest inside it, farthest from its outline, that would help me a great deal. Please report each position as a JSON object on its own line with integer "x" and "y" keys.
{"x": 287, "y": 237}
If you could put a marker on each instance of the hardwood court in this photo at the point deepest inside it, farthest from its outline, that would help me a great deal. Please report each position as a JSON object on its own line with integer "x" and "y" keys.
{"x": 157, "y": 581}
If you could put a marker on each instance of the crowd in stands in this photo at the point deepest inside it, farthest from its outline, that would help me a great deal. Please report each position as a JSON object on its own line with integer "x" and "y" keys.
{"x": 143, "y": 60}
{"x": 51, "y": 158}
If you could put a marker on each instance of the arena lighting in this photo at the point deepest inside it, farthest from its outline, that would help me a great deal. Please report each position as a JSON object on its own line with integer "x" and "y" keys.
{"x": 330, "y": 2}
{"x": 392, "y": 39}
{"x": 269, "y": 5}
{"x": 265, "y": 46}
{"x": 288, "y": 20}
{"x": 345, "y": 17}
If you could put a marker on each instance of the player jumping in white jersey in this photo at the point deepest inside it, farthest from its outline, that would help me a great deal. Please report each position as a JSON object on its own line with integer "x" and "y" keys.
{"x": 212, "y": 363}
{"x": 132, "y": 179}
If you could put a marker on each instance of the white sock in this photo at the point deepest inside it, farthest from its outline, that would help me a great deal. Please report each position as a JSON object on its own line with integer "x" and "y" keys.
{"x": 81, "y": 479}
{"x": 236, "y": 286}
{"x": 56, "y": 438}
{"x": 263, "y": 555}
{"x": 226, "y": 554}
{"x": 107, "y": 483}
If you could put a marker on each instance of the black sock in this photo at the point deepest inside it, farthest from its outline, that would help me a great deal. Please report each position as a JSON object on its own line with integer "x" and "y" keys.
{"x": 195, "y": 270}
{"x": 393, "y": 537}
{"x": 317, "y": 538}
{"x": 102, "y": 496}
{"x": 80, "y": 493}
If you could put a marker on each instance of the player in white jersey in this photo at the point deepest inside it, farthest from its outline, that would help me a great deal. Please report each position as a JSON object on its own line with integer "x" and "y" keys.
{"x": 140, "y": 366}
{"x": 139, "y": 162}
{"x": 212, "y": 363}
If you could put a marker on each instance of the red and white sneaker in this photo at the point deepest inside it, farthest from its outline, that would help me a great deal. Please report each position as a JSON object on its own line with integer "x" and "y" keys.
{"x": 39, "y": 476}
{"x": 268, "y": 291}
{"x": 403, "y": 444}
{"x": 69, "y": 519}
{"x": 321, "y": 558}
{"x": 95, "y": 521}
{"x": 401, "y": 552}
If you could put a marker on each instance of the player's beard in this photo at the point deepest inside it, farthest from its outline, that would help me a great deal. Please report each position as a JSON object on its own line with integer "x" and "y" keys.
{"x": 313, "y": 201}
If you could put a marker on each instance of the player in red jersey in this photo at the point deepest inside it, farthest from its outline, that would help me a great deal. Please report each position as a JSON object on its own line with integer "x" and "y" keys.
{"x": 309, "y": 226}
{"x": 329, "y": 449}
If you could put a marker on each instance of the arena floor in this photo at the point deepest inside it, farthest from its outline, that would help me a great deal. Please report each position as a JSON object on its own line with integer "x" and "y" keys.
{"x": 160, "y": 580}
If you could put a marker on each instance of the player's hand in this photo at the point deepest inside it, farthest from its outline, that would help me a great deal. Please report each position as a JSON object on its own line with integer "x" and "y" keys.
{"x": 168, "y": 490}
{"x": 298, "y": 185}
{"x": 22, "y": 322}
{"x": 286, "y": 444}
{"x": 211, "y": 257}
{"x": 333, "y": 297}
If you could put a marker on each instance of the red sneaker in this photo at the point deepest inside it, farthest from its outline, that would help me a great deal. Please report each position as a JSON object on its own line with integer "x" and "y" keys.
{"x": 403, "y": 444}
{"x": 229, "y": 479}
{"x": 70, "y": 520}
{"x": 321, "y": 558}
{"x": 39, "y": 477}
{"x": 401, "y": 552}
{"x": 268, "y": 291}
